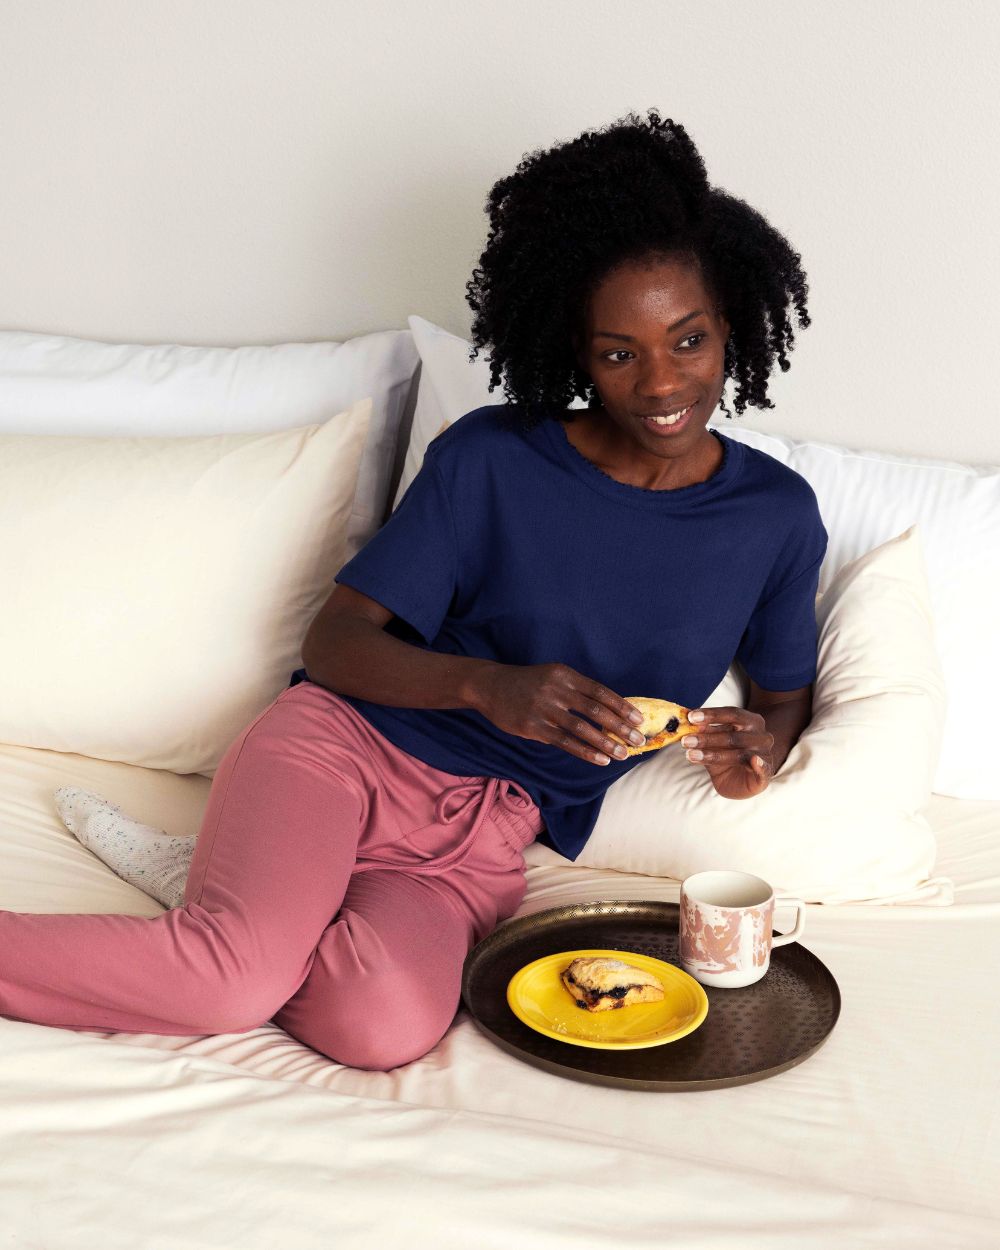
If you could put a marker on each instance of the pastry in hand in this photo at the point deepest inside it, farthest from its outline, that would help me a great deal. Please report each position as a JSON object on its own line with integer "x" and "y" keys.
{"x": 663, "y": 722}
{"x": 603, "y": 984}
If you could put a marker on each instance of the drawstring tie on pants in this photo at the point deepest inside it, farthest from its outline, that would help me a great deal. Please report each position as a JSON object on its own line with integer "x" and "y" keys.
{"x": 517, "y": 799}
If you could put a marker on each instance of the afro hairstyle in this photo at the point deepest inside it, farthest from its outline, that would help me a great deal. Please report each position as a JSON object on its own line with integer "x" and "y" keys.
{"x": 632, "y": 191}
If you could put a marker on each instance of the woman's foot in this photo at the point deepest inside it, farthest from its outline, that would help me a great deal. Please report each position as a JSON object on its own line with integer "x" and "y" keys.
{"x": 147, "y": 858}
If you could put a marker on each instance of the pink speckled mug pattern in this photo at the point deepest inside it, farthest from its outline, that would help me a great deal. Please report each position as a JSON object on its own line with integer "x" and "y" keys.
{"x": 726, "y": 927}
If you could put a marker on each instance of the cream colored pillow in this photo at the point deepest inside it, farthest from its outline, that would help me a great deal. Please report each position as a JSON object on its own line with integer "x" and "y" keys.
{"x": 841, "y": 820}
{"x": 156, "y": 591}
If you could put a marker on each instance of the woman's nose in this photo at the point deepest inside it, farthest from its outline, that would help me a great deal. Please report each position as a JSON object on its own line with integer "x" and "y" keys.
{"x": 661, "y": 382}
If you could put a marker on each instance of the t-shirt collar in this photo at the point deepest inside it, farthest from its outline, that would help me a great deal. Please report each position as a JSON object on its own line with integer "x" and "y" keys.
{"x": 682, "y": 497}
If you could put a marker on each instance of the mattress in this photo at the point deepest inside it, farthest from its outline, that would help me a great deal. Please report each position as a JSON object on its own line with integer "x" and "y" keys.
{"x": 888, "y": 1135}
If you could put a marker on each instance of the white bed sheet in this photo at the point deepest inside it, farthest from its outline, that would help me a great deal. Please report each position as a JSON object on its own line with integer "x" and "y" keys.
{"x": 888, "y": 1135}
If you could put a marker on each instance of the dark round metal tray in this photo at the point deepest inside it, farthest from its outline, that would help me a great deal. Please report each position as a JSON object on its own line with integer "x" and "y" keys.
{"x": 748, "y": 1035}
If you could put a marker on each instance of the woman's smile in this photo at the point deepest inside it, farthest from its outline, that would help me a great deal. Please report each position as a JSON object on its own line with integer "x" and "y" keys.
{"x": 662, "y": 427}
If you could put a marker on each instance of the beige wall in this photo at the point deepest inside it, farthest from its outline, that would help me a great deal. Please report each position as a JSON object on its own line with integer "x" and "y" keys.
{"x": 254, "y": 171}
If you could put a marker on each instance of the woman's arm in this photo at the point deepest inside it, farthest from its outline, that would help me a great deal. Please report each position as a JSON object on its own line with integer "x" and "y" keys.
{"x": 786, "y": 713}
{"x": 347, "y": 650}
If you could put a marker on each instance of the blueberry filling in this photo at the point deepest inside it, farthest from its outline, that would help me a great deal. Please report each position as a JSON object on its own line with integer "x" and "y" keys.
{"x": 595, "y": 996}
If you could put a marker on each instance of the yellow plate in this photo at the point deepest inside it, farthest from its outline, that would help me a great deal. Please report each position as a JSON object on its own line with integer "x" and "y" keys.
{"x": 539, "y": 999}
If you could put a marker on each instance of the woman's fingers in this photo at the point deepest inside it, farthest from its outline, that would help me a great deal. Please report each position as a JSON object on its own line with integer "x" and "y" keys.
{"x": 728, "y": 735}
{"x": 580, "y": 738}
{"x": 737, "y": 718}
{"x": 734, "y": 746}
{"x": 739, "y": 741}
{"x": 698, "y": 756}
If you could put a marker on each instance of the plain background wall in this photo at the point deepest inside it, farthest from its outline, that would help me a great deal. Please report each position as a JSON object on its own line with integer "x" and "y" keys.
{"x": 263, "y": 171}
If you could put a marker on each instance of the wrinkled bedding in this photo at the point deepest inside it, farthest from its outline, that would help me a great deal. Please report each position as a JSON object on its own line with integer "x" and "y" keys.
{"x": 888, "y": 1135}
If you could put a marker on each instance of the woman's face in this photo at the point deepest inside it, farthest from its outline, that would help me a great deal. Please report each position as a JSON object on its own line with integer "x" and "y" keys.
{"x": 653, "y": 345}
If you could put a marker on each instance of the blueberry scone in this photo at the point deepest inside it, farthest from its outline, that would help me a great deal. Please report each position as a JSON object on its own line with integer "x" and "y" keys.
{"x": 663, "y": 722}
{"x": 602, "y": 984}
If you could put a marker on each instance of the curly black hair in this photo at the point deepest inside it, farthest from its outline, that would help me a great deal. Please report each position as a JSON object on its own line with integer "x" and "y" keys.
{"x": 636, "y": 189}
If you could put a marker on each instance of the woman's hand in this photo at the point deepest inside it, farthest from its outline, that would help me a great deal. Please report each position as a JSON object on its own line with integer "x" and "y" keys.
{"x": 734, "y": 745}
{"x": 554, "y": 703}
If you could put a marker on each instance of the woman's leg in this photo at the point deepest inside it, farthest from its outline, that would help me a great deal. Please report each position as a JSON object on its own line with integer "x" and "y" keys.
{"x": 274, "y": 856}
{"x": 386, "y": 981}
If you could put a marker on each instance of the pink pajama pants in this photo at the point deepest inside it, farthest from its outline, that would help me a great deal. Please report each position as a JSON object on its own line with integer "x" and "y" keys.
{"x": 336, "y": 887}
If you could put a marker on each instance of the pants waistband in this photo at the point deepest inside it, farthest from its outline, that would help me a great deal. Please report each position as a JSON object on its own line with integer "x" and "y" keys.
{"x": 508, "y": 800}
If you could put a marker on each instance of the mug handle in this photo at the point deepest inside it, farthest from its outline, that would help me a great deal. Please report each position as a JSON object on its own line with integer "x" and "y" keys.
{"x": 800, "y": 920}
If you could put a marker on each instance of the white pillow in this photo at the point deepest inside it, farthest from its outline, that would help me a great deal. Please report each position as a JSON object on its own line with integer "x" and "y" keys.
{"x": 156, "y": 591}
{"x": 450, "y": 385}
{"x": 51, "y": 384}
{"x": 865, "y": 497}
{"x": 840, "y": 822}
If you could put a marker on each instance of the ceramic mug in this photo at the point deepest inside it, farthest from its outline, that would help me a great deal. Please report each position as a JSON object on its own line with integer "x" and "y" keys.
{"x": 725, "y": 927}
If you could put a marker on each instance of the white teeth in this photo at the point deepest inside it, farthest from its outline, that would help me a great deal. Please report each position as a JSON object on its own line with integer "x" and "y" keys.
{"x": 671, "y": 420}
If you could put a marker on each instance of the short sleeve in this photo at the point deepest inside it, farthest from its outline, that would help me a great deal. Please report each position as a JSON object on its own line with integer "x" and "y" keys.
{"x": 410, "y": 565}
{"x": 778, "y": 647}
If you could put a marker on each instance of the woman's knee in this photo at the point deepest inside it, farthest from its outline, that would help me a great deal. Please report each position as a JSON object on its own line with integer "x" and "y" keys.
{"x": 381, "y": 1023}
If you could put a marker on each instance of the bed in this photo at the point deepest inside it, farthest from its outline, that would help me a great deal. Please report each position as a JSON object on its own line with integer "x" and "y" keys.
{"x": 889, "y": 1135}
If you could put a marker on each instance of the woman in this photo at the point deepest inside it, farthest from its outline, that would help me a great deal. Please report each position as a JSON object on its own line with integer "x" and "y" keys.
{"x": 367, "y": 828}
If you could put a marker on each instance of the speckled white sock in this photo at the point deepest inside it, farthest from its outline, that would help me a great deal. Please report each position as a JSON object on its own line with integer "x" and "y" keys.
{"x": 150, "y": 859}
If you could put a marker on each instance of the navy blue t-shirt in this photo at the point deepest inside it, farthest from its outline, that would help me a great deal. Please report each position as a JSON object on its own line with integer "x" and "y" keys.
{"x": 512, "y": 546}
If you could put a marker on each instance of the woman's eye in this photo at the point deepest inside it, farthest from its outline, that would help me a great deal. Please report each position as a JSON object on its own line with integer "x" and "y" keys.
{"x": 621, "y": 351}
